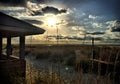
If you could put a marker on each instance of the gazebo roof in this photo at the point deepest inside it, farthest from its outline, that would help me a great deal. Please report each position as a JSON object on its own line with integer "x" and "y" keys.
{"x": 12, "y": 27}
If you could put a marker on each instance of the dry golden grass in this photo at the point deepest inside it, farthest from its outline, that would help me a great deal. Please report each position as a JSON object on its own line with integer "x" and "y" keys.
{"x": 78, "y": 57}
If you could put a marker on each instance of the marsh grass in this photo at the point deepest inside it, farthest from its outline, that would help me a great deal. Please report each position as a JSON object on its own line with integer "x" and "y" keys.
{"x": 83, "y": 71}
{"x": 17, "y": 79}
{"x": 42, "y": 76}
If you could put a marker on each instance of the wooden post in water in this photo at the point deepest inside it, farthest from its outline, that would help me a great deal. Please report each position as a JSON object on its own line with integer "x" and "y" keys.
{"x": 22, "y": 47}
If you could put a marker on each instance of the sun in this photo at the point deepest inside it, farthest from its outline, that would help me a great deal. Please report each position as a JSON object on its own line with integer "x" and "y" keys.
{"x": 51, "y": 21}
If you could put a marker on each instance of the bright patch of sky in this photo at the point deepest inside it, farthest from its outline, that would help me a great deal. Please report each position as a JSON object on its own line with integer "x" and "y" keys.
{"x": 73, "y": 19}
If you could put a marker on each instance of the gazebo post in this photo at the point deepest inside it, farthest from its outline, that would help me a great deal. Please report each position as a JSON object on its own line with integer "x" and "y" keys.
{"x": 0, "y": 47}
{"x": 22, "y": 47}
{"x": 12, "y": 27}
{"x": 8, "y": 47}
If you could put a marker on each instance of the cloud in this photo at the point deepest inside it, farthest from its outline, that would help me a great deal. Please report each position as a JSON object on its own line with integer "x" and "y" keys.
{"x": 15, "y": 11}
{"x": 113, "y": 23}
{"x": 84, "y": 15}
{"x": 34, "y": 6}
{"x": 41, "y": 9}
{"x": 111, "y": 35}
{"x": 97, "y": 25}
{"x": 33, "y": 21}
{"x": 13, "y": 2}
{"x": 92, "y": 16}
{"x": 114, "y": 26}
{"x": 78, "y": 28}
{"x": 55, "y": 37}
{"x": 53, "y": 10}
{"x": 115, "y": 29}
{"x": 98, "y": 38}
{"x": 34, "y": 13}
{"x": 96, "y": 33}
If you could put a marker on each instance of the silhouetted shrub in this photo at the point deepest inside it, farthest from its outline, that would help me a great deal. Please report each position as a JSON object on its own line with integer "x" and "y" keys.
{"x": 56, "y": 58}
{"x": 43, "y": 55}
{"x": 70, "y": 60}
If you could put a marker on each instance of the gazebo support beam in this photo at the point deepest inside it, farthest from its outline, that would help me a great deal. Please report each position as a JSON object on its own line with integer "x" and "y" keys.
{"x": 22, "y": 47}
{"x": 8, "y": 47}
{"x": 0, "y": 47}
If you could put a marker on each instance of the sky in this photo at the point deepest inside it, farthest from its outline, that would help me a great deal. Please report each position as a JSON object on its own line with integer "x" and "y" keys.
{"x": 69, "y": 19}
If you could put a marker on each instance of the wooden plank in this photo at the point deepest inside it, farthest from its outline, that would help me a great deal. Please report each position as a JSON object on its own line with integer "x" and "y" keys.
{"x": 12, "y": 67}
{"x": 100, "y": 61}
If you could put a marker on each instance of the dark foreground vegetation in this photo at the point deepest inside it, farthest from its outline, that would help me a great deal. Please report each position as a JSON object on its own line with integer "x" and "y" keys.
{"x": 87, "y": 63}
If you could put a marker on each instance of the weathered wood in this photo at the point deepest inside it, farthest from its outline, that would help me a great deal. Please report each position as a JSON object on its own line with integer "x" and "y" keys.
{"x": 22, "y": 47}
{"x": 12, "y": 70}
{"x": 101, "y": 61}
{"x": 9, "y": 47}
{"x": 0, "y": 47}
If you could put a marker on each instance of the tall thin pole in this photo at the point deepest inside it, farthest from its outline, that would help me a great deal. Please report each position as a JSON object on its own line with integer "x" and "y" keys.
{"x": 57, "y": 34}
{"x": 84, "y": 39}
{"x": 59, "y": 57}
{"x": 92, "y": 56}
{"x": 93, "y": 47}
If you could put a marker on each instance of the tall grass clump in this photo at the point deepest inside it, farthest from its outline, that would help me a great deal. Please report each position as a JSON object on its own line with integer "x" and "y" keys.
{"x": 103, "y": 68}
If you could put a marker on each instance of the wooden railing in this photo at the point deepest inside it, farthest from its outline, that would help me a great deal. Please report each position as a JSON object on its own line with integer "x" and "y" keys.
{"x": 12, "y": 68}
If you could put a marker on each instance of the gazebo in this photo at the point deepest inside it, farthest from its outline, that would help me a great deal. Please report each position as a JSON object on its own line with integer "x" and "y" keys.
{"x": 12, "y": 27}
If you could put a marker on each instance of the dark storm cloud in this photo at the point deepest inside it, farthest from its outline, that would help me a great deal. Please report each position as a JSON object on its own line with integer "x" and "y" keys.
{"x": 13, "y": 2}
{"x": 33, "y": 21}
{"x": 38, "y": 12}
{"x": 95, "y": 38}
{"x": 47, "y": 9}
{"x": 115, "y": 29}
{"x": 95, "y": 33}
{"x": 54, "y": 36}
{"x": 98, "y": 38}
{"x": 116, "y": 39}
{"x": 53, "y": 10}
{"x": 98, "y": 7}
